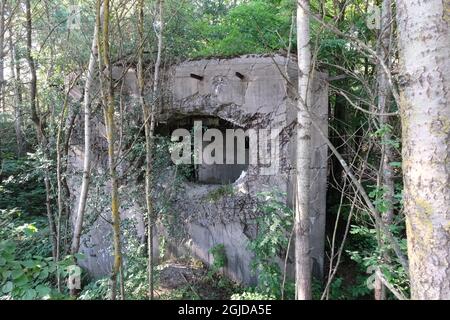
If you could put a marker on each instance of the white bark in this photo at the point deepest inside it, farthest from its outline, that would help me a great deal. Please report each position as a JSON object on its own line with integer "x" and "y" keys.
{"x": 87, "y": 143}
{"x": 424, "y": 43}
{"x": 384, "y": 101}
{"x": 2, "y": 46}
{"x": 149, "y": 136}
{"x": 302, "y": 223}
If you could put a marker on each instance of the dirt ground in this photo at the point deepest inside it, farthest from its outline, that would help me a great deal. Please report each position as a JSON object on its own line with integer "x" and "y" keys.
{"x": 183, "y": 279}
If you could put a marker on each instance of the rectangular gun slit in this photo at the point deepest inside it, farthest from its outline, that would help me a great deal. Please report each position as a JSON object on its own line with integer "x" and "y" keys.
{"x": 196, "y": 76}
{"x": 240, "y": 75}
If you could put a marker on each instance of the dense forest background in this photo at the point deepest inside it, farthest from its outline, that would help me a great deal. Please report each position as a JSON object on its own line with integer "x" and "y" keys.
{"x": 46, "y": 49}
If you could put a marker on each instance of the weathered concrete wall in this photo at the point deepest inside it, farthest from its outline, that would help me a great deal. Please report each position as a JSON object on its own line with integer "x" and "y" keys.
{"x": 261, "y": 100}
{"x": 319, "y": 159}
{"x": 258, "y": 97}
{"x": 262, "y": 91}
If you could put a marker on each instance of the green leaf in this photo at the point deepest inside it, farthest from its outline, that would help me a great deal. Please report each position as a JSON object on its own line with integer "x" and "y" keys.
{"x": 7, "y": 287}
{"x": 44, "y": 274}
{"x": 30, "y": 294}
{"x": 52, "y": 268}
{"x": 29, "y": 263}
{"x": 16, "y": 274}
{"x": 79, "y": 256}
{"x": 395, "y": 164}
{"x": 28, "y": 229}
{"x": 43, "y": 290}
{"x": 21, "y": 281}
{"x": 6, "y": 274}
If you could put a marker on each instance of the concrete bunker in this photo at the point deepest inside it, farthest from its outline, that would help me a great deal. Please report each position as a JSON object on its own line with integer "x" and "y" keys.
{"x": 248, "y": 92}
{"x": 234, "y": 154}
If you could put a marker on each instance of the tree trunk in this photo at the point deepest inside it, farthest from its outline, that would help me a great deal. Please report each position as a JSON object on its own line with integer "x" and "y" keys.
{"x": 339, "y": 123}
{"x": 62, "y": 198}
{"x": 42, "y": 140}
{"x": 384, "y": 101}
{"x": 33, "y": 79}
{"x": 302, "y": 223}
{"x": 15, "y": 76}
{"x": 109, "y": 107}
{"x": 87, "y": 141}
{"x": 150, "y": 143}
{"x": 149, "y": 125}
{"x": 2, "y": 55}
{"x": 148, "y": 170}
{"x": 424, "y": 43}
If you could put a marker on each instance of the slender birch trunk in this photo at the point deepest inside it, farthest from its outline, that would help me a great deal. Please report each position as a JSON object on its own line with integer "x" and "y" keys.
{"x": 424, "y": 44}
{"x": 109, "y": 108}
{"x": 149, "y": 125}
{"x": 61, "y": 196}
{"x": 146, "y": 117}
{"x": 302, "y": 223}
{"x": 84, "y": 189}
{"x": 384, "y": 101}
{"x": 150, "y": 144}
{"x": 2, "y": 56}
{"x": 35, "y": 117}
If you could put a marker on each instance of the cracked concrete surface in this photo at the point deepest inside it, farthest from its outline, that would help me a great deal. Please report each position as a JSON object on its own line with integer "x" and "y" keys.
{"x": 262, "y": 99}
